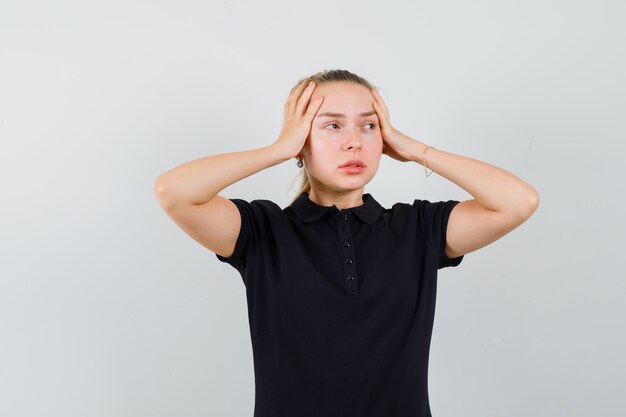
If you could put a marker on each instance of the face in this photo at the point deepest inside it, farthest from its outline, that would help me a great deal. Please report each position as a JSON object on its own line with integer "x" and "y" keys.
{"x": 335, "y": 139}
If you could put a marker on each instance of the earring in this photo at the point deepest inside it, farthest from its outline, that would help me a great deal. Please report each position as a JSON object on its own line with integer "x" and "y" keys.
{"x": 300, "y": 163}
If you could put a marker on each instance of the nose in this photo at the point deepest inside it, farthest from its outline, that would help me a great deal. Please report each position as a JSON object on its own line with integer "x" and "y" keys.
{"x": 352, "y": 141}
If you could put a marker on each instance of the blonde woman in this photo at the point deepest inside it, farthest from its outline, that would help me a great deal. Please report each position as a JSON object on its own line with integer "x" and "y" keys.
{"x": 340, "y": 290}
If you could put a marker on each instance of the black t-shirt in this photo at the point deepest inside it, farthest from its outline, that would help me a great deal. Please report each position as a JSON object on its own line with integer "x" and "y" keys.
{"x": 341, "y": 304}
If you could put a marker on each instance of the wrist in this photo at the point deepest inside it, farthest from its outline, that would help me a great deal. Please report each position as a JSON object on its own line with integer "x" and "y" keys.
{"x": 417, "y": 152}
{"x": 279, "y": 153}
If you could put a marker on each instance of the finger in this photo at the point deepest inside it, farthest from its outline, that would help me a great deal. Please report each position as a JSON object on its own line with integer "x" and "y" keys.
{"x": 290, "y": 98}
{"x": 296, "y": 93}
{"x": 376, "y": 102}
{"x": 303, "y": 101}
{"x": 313, "y": 108}
{"x": 381, "y": 102}
{"x": 382, "y": 117}
{"x": 382, "y": 105}
{"x": 288, "y": 107}
{"x": 300, "y": 83}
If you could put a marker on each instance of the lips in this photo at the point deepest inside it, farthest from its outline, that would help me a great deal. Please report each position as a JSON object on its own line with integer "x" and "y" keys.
{"x": 356, "y": 162}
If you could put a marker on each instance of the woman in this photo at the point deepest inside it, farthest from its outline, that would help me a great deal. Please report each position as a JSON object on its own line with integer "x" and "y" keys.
{"x": 341, "y": 291}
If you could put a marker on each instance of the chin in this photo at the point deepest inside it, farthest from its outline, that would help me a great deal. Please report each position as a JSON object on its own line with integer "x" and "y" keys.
{"x": 354, "y": 183}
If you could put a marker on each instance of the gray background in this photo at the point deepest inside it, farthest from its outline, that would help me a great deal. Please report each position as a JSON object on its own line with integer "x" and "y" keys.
{"x": 108, "y": 309}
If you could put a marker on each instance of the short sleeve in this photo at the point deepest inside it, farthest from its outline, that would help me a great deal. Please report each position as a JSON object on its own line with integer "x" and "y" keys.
{"x": 434, "y": 223}
{"x": 246, "y": 241}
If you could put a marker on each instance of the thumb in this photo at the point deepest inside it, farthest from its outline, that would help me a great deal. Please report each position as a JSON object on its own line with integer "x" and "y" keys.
{"x": 314, "y": 106}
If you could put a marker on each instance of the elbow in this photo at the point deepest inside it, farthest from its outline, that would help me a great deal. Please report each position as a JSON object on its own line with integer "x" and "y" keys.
{"x": 159, "y": 189}
{"x": 531, "y": 205}
{"x": 534, "y": 200}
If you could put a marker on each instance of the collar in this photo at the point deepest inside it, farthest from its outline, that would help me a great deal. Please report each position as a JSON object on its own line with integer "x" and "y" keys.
{"x": 309, "y": 211}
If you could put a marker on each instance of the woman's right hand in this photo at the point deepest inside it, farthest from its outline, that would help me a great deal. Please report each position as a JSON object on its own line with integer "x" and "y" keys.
{"x": 299, "y": 112}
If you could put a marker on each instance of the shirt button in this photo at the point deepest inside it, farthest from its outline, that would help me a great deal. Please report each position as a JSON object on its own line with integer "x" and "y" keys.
{"x": 346, "y": 243}
{"x": 348, "y": 260}
{"x": 345, "y": 216}
{"x": 350, "y": 276}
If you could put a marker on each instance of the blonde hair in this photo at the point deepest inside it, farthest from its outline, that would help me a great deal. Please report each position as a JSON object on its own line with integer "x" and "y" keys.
{"x": 324, "y": 77}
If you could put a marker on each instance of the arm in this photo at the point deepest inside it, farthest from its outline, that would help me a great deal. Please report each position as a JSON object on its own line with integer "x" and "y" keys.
{"x": 189, "y": 192}
{"x": 501, "y": 201}
{"x": 198, "y": 181}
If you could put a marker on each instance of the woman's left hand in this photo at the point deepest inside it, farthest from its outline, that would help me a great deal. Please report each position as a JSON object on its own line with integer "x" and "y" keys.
{"x": 395, "y": 144}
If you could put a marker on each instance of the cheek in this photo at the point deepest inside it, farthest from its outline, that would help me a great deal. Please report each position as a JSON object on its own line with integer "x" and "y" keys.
{"x": 378, "y": 145}
{"x": 320, "y": 144}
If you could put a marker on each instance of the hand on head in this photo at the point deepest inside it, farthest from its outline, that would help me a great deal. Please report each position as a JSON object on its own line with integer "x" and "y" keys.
{"x": 299, "y": 112}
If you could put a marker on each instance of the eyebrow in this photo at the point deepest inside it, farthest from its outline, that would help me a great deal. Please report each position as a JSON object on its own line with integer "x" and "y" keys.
{"x": 341, "y": 115}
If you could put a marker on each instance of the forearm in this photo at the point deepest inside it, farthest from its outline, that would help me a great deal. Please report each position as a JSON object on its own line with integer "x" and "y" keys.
{"x": 198, "y": 181}
{"x": 492, "y": 187}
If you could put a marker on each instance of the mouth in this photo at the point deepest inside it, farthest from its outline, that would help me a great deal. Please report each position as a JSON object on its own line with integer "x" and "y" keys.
{"x": 353, "y": 163}
{"x": 353, "y": 166}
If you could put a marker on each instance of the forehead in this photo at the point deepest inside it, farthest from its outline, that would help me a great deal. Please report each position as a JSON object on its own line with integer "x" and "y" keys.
{"x": 343, "y": 94}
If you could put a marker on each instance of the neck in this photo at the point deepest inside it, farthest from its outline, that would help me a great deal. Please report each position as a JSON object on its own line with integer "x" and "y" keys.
{"x": 343, "y": 200}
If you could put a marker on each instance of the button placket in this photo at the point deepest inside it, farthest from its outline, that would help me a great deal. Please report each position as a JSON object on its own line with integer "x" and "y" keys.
{"x": 349, "y": 265}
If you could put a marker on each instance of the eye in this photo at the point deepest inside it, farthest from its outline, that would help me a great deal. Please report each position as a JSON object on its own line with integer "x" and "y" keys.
{"x": 335, "y": 124}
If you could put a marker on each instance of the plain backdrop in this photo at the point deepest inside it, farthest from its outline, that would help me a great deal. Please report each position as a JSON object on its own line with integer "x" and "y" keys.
{"x": 108, "y": 309}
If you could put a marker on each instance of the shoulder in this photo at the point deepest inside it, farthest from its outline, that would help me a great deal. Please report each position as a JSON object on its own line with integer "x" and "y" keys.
{"x": 422, "y": 211}
{"x": 258, "y": 211}
{"x": 422, "y": 206}
{"x": 260, "y": 205}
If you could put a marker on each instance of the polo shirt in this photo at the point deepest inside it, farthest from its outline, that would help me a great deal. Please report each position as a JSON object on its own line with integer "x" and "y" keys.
{"x": 341, "y": 304}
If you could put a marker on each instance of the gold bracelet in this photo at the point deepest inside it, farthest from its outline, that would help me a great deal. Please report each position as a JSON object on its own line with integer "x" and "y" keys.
{"x": 424, "y": 158}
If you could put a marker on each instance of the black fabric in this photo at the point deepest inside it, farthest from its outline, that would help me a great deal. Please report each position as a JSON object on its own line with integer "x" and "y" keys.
{"x": 341, "y": 304}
